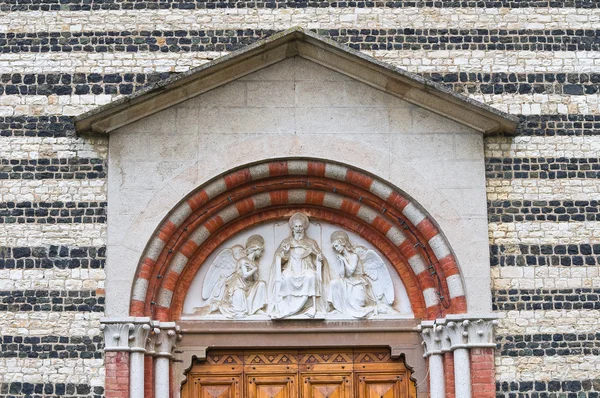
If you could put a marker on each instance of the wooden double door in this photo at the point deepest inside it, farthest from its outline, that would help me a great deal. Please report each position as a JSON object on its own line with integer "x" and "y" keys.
{"x": 360, "y": 373}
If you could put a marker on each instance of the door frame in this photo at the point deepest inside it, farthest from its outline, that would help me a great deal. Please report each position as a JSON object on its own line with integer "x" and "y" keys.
{"x": 351, "y": 370}
{"x": 400, "y": 336}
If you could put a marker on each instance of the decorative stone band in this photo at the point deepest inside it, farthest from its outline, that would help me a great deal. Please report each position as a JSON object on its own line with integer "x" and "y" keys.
{"x": 456, "y": 331}
{"x": 340, "y": 194}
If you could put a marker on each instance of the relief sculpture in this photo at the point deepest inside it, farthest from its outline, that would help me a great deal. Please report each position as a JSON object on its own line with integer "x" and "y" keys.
{"x": 301, "y": 281}
{"x": 364, "y": 286}
{"x": 232, "y": 284}
{"x": 299, "y": 274}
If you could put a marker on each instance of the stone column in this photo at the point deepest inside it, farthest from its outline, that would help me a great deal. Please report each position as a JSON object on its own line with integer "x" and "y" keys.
{"x": 140, "y": 330}
{"x": 448, "y": 362}
{"x": 458, "y": 334}
{"x": 432, "y": 340}
{"x": 165, "y": 344}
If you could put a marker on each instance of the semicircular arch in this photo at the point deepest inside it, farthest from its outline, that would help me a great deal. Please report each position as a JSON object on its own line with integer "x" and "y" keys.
{"x": 338, "y": 193}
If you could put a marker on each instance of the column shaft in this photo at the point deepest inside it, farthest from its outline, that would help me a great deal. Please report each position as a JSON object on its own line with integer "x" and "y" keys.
{"x": 462, "y": 373}
{"x": 161, "y": 377}
{"x": 436, "y": 377}
{"x": 136, "y": 375}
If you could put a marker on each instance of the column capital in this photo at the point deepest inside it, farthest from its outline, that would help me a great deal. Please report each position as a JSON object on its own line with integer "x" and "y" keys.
{"x": 125, "y": 333}
{"x": 458, "y": 331}
{"x": 472, "y": 331}
{"x": 482, "y": 333}
{"x": 433, "y": 335}
{"x": 152, "y": 337}
{"x": 169, "y": 334}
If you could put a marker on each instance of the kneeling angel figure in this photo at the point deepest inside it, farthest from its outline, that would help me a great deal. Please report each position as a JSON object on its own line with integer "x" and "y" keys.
{"x": 231, "y": 284}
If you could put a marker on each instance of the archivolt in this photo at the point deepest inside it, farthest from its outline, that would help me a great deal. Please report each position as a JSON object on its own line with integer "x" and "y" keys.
{"x": 274, "y": 190}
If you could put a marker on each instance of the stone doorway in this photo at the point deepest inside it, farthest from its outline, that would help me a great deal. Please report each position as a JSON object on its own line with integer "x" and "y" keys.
{"x": 308, "y": 373}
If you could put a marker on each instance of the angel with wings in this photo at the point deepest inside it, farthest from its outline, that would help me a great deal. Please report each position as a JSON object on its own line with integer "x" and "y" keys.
{"x": 231, "y": 285}
{"x": 364, "y": 287}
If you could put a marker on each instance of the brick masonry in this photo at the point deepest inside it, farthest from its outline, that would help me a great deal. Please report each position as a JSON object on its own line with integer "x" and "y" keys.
{"x": 534, "y": 58}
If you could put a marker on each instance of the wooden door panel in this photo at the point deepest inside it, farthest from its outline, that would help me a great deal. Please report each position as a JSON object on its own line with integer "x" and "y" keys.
{"x": 381, "y": 386}
{"x": 325, "y": 361}
{"x": 327, "y": 385}
{"x": 210, "y": 386}
{"x": 272, "y": 386}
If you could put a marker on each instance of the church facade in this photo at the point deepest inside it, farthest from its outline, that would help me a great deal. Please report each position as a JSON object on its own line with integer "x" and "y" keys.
{"x": 285, "y": 200}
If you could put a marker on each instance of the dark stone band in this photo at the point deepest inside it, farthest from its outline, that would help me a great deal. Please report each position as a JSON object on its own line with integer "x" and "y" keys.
{"x": 546, "y": 345}
{"x": 51, "y": 300}
{"x": 46, "y": 347}
{"x": 63, "y": 390}
{"x": 521, "y": 255}
{"x": 542, "y": 167}
{"x": 546, "y": 299}
{"x": 359, "y": 39}
{"x": 543, "y": 210}
{"x": 465, "y": 83}
{"x": 589, "y": 388}
{"x": 61, "y": 257}
{"x": 53, "y": 212}
{"x": 52, "y": 168}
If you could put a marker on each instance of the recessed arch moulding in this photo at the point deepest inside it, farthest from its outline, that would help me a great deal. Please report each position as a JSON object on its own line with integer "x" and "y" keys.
{"x": 274, "y": 190}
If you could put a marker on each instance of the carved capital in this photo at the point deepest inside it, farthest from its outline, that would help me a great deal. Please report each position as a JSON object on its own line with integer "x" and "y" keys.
{"x": 445, "y": 342}
{"x": 457, "y": 332}
{"x": 139, "y": 334}
{"x": 433, "y": 335}
{"x": 152, "y": 337}
{"x": 125, "y": 334}
{"x": 472, "y": 331}
{"x": 116, "y": 336}
{"x": 481, "y": 333}
{"x": 168, "y": 336}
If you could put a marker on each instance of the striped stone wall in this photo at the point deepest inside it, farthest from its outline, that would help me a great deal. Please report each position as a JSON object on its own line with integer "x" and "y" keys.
{"x": 534, "y": 58}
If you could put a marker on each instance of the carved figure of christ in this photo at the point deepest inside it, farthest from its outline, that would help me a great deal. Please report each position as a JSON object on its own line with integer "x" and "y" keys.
{"x": 298, "y": 273}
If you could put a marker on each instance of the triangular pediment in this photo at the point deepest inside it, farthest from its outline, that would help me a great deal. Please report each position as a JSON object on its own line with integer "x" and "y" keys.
{"x": 305, "y": 44}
